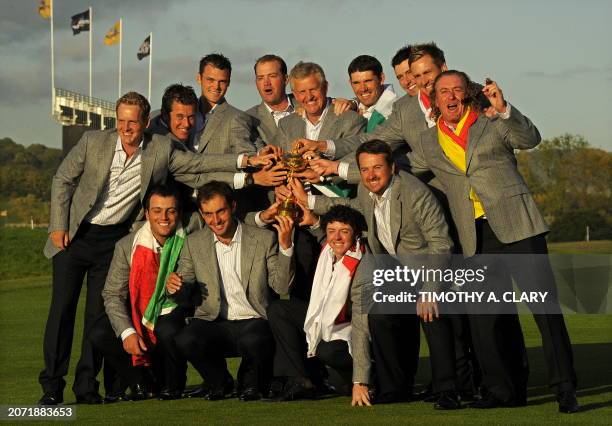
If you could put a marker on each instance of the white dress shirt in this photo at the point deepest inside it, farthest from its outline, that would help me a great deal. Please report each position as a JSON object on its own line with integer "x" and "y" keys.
{"x": 382, "y": 215}
{"x": 278, "y": 115}
{"x": 121, "y": 192}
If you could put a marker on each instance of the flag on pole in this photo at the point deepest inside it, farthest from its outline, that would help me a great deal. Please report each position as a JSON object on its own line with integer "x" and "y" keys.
{"x": 145, "y": 49}
{"x": 80, "y": 22}
{"x": 44, "y": 10}
{"x": 113, "y": 35}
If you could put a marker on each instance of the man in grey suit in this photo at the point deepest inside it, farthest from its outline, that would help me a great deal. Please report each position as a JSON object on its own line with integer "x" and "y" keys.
{"x": 271, "y": 79}
{"x": 177, "y": 116}
{"x": 345, "y": 348}
{"x": 118, "y": 335}
{"x": 495, "y": 213}
{"x": 221, "y": 128}
{"x": 96, "y": 194}
{"x": 235, "y": 266}
{"x": 404, "y": 220}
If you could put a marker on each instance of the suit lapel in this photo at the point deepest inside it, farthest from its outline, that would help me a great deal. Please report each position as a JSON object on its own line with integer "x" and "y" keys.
{"x": 146, "y": 166}
{"x": 247, "y": 253}
{"x": 329, "y": 124}
{"x": 212, "y": 262}
{"x": 435, "y": 154}
{"x": 107, "y": 152}
{"x": 366, "y": 200}
{"x": 266, "y": 118}
{"x": 475, "y": 134}
{"x": 395, "y": 208}
{"x": 211, "y": 126}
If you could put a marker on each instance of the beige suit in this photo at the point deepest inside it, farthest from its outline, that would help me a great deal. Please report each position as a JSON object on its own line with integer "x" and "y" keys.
{"x": 80, "y": 178}
{"x": 493, "y": 174}
{"x": 261, "y": 266}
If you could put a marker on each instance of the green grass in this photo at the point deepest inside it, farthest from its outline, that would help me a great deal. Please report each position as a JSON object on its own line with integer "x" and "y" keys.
{"x": 25, "y": 303}
{"x": 21, "y": 253}
{"x": 602, "y": 246}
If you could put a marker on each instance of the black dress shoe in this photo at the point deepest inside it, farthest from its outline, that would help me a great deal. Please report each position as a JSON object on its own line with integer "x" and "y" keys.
{"x": 217, "y": 394}
{"x": 196, "y": 392}
{"x": 448, "y": 401}
{"x": 490, "y": 401}
{"x": 276, "y": 388}
{"x": 169, "y": 395}
{"x": 295, "y": 390}
{"x": 90, "y": 398}
{"x": 51, "y": 398}
{"x": 568, "y": 403}
{"x": 250, "y": 394}
{"x": 139, "y": 392}
{"x": 426, "y": 394}
{"x": 115, "y": 397}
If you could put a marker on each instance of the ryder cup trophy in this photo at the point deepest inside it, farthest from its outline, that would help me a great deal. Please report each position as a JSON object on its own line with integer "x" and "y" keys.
{"x": 294, "y": 163}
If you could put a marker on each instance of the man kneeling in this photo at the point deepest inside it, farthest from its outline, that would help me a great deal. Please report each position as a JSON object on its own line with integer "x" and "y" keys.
{"x": 332, "y": 327}
{"x": 234, "y": 265}
{"x": 144, "y": 321}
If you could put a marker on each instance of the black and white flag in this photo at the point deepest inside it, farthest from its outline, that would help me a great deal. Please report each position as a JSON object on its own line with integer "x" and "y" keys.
{"x": 80, "y": 22}
{"x": 145, "y": 49}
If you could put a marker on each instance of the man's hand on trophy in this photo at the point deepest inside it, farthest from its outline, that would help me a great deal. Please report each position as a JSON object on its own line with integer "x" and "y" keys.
{"x": 308, "y": 217}
{"x": 302, "y": 145}
{"x": 261, "y": 160}
{"x": 309, "y": 175}
{"x": 297, "y": 189}
{"x": 270, "y": 175}
{"x": 284, "y": 228}
{"x": 282, "y": 192}
{"x": 324, "y": 167}
{"x": 271, "y": 149}
{"x": 268, "y": 215}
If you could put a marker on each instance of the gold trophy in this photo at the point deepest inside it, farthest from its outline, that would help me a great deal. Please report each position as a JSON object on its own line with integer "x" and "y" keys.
{"x": 294, "y": 163}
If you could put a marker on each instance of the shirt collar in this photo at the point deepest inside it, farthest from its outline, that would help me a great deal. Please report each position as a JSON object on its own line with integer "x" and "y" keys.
{"x": 119, "y": 146}
{"x": 385, "y": 195}
{"x": 383, "y": 98}
{"x": 288, "y": 109}
{"x": 321, "y": 118}
{"x": 237, "y": 238}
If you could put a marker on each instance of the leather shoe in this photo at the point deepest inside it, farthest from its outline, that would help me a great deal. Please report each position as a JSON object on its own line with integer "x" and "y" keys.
{"x": 250, "y": 394}
{"x": 490, "y": 401}
{"x": 220, "y": 393}
{"x": 139, "y": 393}
{"x": 195, "y": 392}
{"x": 90, "y": 398}
{"x": 51, "y": 398}
{"x": 448, "y": 400}
{"x": 568, "y": 403}
{"x": 295, "y": 390}
{"x": 169, "y": 395}
{"x": 116, "y": 397}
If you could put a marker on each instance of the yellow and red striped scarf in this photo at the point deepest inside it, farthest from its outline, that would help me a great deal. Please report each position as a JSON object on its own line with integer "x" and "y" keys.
{"x": 454, "y": 144}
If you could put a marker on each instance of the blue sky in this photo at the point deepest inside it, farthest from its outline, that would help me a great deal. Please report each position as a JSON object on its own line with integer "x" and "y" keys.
{"x": 552, "y": 59}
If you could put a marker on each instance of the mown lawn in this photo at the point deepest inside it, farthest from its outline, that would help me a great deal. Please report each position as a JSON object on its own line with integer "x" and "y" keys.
{"x": 25, "y": 301}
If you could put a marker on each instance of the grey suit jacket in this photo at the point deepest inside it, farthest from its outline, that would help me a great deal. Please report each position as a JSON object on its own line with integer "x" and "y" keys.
{"x": 261, "y": 267}
{"x": 334, "y": 127}
{"x": 360, "y": 330}
{"x": 404, "y": 125}
{"x": 81, "y": 176}
{"x": 266, "y": 126}
{"x": 493, "y": 173}
{"x": 418, "y": 226}
{"x": 228, "y": 130}
{"x": 116, "y": 292}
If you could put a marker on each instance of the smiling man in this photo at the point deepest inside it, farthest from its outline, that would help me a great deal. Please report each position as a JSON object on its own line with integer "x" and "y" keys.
{"x": 401, "y": 67}
{"x": 235, "y": 265}
{"x": 177, "y": 116}
{"x": 332, "y": 321}
{"x": 138, "y": 330}
{"x": 404, "y": 219}
{"x": 472, "y": 154}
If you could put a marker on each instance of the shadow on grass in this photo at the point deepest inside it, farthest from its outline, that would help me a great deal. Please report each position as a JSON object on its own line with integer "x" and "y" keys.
{"x": 593, "y": 364}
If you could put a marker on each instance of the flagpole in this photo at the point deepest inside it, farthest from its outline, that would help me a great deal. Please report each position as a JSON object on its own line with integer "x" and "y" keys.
{"x": 90, "y": 44}
{"x": 52, "y": 62}
{"x": 150, "y": 62}
{"x": 120, "y": 43}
